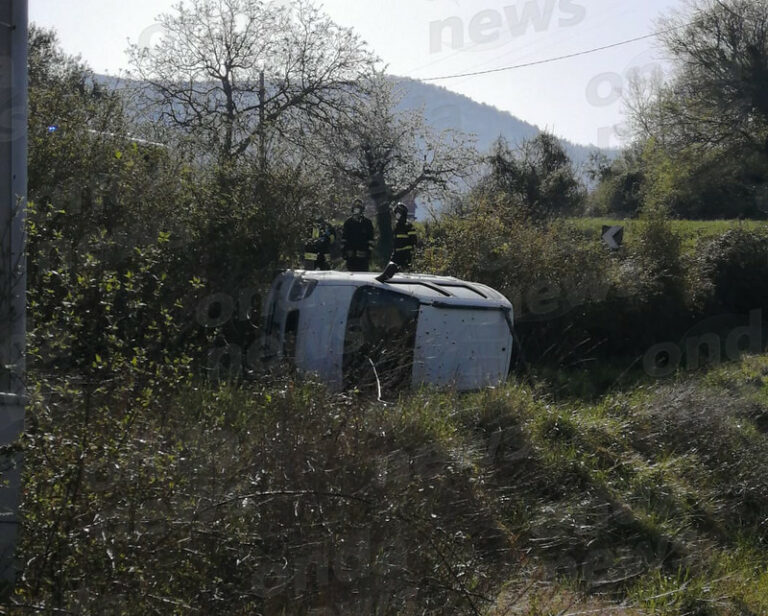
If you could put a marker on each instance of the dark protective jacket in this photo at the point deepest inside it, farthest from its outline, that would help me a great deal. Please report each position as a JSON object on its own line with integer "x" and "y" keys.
{"x": 317, "y": 248}
{"x": 357, "y": 237}
{"x": 404, "y": 242}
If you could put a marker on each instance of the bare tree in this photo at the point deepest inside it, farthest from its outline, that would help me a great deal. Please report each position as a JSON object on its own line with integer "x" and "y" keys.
{"x": 390, "y": 153}
{"x": 647, "y": 117}
{"x": 234, "y": 73}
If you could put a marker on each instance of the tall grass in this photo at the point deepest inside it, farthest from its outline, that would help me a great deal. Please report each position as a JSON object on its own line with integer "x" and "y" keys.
{"x": 288, "y": 499}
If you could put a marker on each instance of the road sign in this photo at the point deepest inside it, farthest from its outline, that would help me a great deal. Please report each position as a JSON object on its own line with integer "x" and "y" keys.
{"x": 613, "y": 236}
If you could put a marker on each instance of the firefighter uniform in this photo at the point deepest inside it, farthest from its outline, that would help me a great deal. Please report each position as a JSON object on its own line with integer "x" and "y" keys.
{"x": 357, "y": 240}
{"x": 317, "y": 249}
{"x": 404, "y": 239}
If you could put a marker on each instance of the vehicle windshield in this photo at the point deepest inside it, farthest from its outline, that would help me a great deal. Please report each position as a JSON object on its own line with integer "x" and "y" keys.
{"x": 379, "y": 339}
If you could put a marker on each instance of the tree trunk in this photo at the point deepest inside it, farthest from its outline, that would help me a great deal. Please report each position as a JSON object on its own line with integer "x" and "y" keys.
{"x": 381, "y": 196}
{"x": 384, "y": 222}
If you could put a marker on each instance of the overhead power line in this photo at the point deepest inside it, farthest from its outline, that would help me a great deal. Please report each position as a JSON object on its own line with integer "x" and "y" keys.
{"x": 549, "y": 60}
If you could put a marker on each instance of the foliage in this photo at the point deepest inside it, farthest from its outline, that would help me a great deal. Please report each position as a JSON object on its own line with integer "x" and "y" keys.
{"x": 733, "y": 268}
{"x": 577, "y": 304}
{"x": 242, "y": 236}
{"x": 525, "y": 262}
{"x": 718, "y": 96}
{"x": 704, "y": 133}
{"x": 657, "y": 258}
{"x": 195, "y": 498}
{"x": 99, "y": 305}
{"x": 619, "y": 187}
{"x": 688, "y": 182}
{"x": 222, "y": 500}
{"x": 538, "y": 178}
{"x": 547, "y": 271}
{"x": 695, "y": 184}
{"x": 691, "y": 232}
{"x": 78, "y": 151}
{"x": 390, "y": 155}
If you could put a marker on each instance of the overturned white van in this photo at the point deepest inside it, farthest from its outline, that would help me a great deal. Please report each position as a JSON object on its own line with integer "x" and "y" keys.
{"x": 351, "y": 330}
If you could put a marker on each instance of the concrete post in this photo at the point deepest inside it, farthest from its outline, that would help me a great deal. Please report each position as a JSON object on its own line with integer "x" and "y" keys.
{"x": 13, "y": 195}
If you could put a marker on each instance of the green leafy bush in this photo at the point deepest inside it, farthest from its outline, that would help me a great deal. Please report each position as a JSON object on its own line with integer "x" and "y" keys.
{"x": 224, "y": 500}
{"x": 733, "y": 272}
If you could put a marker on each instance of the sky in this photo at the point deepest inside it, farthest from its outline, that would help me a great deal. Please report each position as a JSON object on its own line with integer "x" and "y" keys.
{"x": 578, "y": 98}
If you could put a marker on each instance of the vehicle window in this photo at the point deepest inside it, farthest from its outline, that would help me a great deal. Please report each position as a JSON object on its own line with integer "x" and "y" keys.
{"x": 290, "y": 331}
{"x": 379, "y": 339}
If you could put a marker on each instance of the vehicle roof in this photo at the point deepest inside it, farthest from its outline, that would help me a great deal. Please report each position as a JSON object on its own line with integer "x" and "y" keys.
{"x": 427, "y": 287}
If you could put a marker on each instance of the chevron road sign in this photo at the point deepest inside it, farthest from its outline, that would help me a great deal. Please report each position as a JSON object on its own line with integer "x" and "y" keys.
{"x": 613, "y": 236}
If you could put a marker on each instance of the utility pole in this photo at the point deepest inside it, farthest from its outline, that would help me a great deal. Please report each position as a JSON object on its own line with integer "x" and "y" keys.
{"x": 262, "y": 139}
{"x": 13, "y": 198}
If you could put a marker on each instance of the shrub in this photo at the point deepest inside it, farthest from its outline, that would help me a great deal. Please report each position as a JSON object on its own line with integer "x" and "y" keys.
{"x": 733, "y": 272}
{"x": 222, "y": 500}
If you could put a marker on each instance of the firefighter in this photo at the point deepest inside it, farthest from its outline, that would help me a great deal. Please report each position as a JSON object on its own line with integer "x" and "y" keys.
{"x": 357, "y": 239}
{"x": 404, "y": 238}
{"x": 317, "y": 249}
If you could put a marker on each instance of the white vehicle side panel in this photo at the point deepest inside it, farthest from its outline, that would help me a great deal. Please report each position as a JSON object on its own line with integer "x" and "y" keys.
{"x": 463, "y": 348}
{"x": 462, "y": 340}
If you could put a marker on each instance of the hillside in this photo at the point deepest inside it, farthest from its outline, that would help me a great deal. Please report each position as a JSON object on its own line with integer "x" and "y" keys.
{"x": 446, "y": 109}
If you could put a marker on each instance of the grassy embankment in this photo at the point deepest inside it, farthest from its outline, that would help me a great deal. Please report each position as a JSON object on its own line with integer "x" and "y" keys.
{"x": 574, "y": 489}
{"x": 285, "y": 499}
